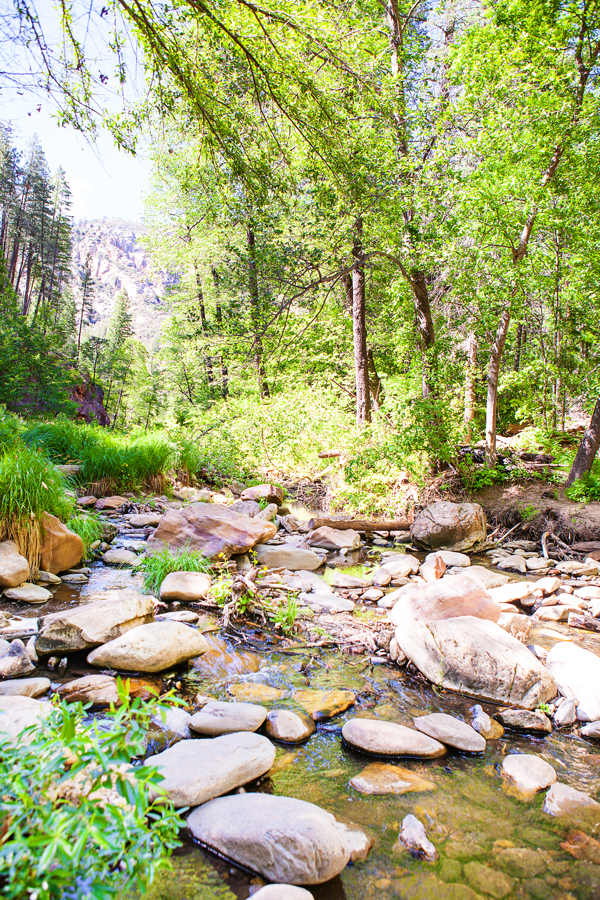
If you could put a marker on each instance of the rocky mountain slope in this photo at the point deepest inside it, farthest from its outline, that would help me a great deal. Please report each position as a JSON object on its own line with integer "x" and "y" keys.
{"x": 119, "y": 262}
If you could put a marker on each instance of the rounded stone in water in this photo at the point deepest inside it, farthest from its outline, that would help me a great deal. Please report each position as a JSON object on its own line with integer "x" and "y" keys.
{"x": 389, "y": 739}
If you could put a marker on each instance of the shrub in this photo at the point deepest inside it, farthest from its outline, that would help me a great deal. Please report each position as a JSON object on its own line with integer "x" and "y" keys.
{"x": 10, "y": 427}
{"x": 587, "y": 488}
{"x": 159, "y": 565}
{"x": 60, "y": 837}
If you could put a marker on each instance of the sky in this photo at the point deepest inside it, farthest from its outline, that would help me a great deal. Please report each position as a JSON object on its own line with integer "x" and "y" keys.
{"x": 104, "y": 180}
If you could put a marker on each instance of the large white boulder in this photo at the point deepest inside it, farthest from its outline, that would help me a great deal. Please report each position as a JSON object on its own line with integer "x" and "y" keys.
{"x": 578, "y": 671}
{"x": 283, "y": 839}
{"x": 476, "y": 657}
{"x": 14, "y": 568}
{"x": 447, "y": 598}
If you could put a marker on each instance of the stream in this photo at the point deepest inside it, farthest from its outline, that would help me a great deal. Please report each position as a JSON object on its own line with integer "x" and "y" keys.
{"x": 470, "y": 815}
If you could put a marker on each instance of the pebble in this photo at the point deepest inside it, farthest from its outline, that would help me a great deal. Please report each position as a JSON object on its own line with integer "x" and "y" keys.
{"x": 383, "y": 778}
{"x": 528, "y": 772}
{"x": 389, "y": 739}
{"x": 486, "y": 726}
{"x": 451, "y": 731}
{"x": 414, "y": 837}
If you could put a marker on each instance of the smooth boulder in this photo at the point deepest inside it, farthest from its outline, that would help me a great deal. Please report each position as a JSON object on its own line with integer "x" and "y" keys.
{"x": 24, "y": 687}
{"x": 150, "y": 648}
{"x": 389, "y": 739}
{"x": 281, "y": 838}
{"x": 288, "y": 726}
{"x": 213, "y": 529}
{"x": 460, "y": 595}
{"x": 14, "y": 568}
{"x": 28, "y": 593}
{"x": 449, "y": 526}
{"x": 61, "y": 548}
{"x": 282, "y": 892}
{"x": 525, "y": 720}
{"x": 18, "y": 713}
{"x": 383, "y": 778}
{"x": 94, "y": 623}
{"x": 334, "y": 538}
{"x": 271, "y": 493}
{"x": 226, "y": 718}
{"x": 187, "y": 586}
{"x": 15, "y": 661}
{"x": 562, "y": 800}
{"x": 120, "y": 557}
{"x": 578, "y": 671}
{"x": 451, "y": 732}
{"x": 476, "y": 657}
{"x": 528, "y": 772}
{"x": 274, "y": 556}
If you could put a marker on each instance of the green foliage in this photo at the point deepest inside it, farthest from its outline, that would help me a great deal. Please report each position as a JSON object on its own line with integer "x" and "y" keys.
{"x": 220, "y": 590}
{"x": 63, "y": 837}
{"x": 586, "y": 489}
{"x": 30, "y": 485}
{"x": 156, "y": 567}
{"x": 285, "y": 614}
{"x": 88, "y": 526}
{"x": 10, "y": 428}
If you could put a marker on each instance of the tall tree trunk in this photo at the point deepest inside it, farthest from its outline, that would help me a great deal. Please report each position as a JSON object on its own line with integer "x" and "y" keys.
{"x": 255, "y": 314}
{"x": 470, "y": 385}
{"x": 492, "y": 390}
{"x": 359, "y": 329}
{"x": 375, "y": 383}
{"x": 210, "y": 378}
{"x": 517, "y": 362}
{"x": 219, "y": 319}
{"x": 425, "y": 330}
{"x": 588, "y": 448}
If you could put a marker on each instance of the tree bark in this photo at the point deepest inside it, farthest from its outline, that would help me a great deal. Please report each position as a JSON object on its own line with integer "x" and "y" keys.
{"x": 425, "y": 330}
{"x": 470, "y": 385}
{"x": 255, "y": 314}
{"x": 375, "y": 384}
{"x": 588, "y": 448}
{"x": 359, "y": 328}
{"x": 492, "y": 390}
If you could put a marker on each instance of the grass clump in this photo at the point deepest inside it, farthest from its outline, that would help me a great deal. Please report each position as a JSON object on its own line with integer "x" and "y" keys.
{"x": 89, "y": 528}
{"x": 29, "y": 486}
{"x": 155, "y": 568}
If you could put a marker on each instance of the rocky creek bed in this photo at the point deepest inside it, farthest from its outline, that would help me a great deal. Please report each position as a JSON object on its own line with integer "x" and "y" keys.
{"x": 485, "y": 836}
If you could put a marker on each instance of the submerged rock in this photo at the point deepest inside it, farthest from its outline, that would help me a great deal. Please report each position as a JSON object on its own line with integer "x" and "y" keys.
{"x": 94, "y": 623}
{"x": 61, "y": 548}
{"x": 213, "y": 529}
{"x": 476, "y": 657}
{"x": 449, "y": 526}
{"x": 225, "y": 718}
{"x": 150, "y": 648}
{"x": 389, "y": 739}
{"x": 324, "y": 704}
{"x": 383, "y": 778}
{"x": 450, "y": 731}
{"x": 14, "y": 568}
{"x": 489, "y": 881}
{"x": 281, "y": 838}
{"x": 195, "y": 771}
{"x": 528, "y": 772}
{"x": 562, "y": 800}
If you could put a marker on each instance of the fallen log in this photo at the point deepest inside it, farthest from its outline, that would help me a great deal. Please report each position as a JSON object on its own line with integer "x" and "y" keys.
{"x": 587, "y": 623}
{"x": 345, "y": 522}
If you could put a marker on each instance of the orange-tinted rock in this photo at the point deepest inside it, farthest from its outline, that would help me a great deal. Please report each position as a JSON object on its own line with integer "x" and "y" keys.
{"x": 212, "y": 529}
{"x": 272, "y": 493}
{"x": 446, "y": 598}
{"x": 62, "y": 549}
{"x": 115, "y": 502}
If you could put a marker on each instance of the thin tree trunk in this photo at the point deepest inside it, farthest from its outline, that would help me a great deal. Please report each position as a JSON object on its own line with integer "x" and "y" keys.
{"x": 375, "y": 383}
{"x": 492, "y": 390}
{"x": 470, "y": 385}
{"x": 425, "y": 329}
{"x": 255, "y": 314}
{"x": 517, "y": 362}
{"x": 588, "y": 448}
{"x": 359, "y": 329}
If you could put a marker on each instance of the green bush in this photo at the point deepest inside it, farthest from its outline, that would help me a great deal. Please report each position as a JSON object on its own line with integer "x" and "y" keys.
{"x": 586, "y": 489}
{"x": 60, "y": 837}
{"x": 159, "y": 565}
{"x": 10, "y": 427}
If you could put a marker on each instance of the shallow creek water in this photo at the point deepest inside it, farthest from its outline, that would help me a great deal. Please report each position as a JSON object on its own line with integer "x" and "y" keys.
{"x": 471, "y": 815}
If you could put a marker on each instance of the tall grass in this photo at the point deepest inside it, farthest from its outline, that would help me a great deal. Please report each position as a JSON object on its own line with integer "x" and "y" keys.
{"x": 29, "y": 486}
{"x": 115, "y": 461}
{"x": 89, "y": 528}
{"x": 156, "y": 567}
{"x": 10, "y": 427}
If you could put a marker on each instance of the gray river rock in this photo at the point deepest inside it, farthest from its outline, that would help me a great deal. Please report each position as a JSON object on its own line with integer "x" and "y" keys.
{"x": 451, "y": 731}
{"x": 28, "y": 593}
{"x": 288, "y": 726}
{"x": 282, "y": 892}
{"x": 389, "y": 739}
{"x": 225, "y": 718}
{"x": 578, "y": 671}
{"x": 530, "y": 773}
{"x": 24, "y": 687}
{"x": 562, "y": 800}
{"x": 195, "y": 771}
{"x": 150, "y": 648}
{"x": 281, "y": 838}
{"x": 15, "y": 661}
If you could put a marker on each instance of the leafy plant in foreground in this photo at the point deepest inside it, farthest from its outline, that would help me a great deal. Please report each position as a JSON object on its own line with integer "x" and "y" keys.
{"x": 77, "y": 819}
{"x": 156, "y": 567}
